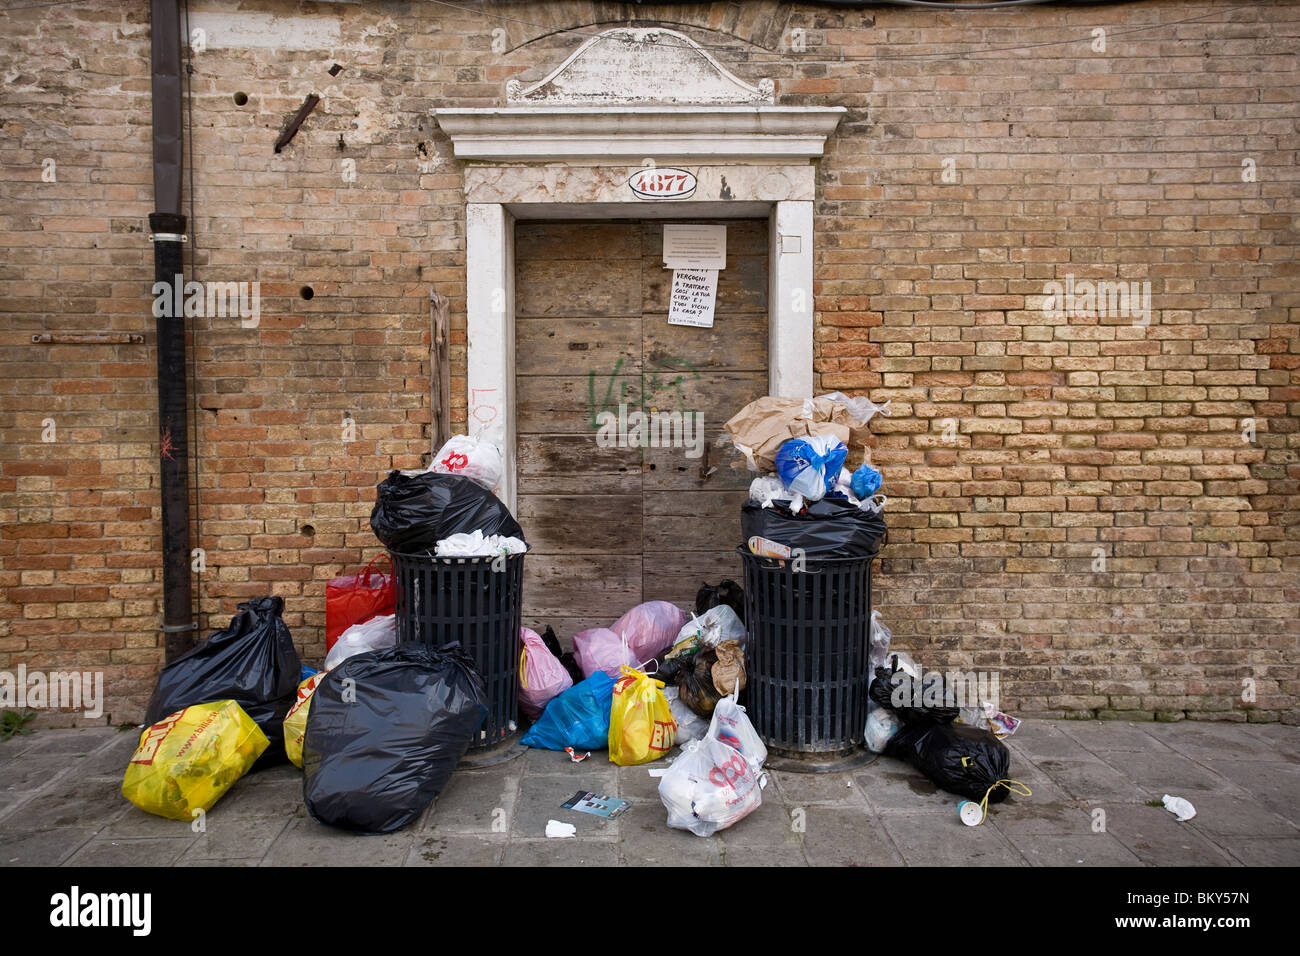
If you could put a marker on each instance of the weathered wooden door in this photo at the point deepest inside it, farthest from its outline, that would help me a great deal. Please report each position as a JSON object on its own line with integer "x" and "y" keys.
{"x": 612, "y": 526}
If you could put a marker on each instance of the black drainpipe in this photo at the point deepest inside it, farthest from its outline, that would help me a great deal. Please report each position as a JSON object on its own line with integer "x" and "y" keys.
{"x": 167, "y": 231}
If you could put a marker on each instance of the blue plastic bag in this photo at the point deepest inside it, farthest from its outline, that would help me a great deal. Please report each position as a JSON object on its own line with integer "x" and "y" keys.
{"x": 577, "y": 718}
{"x": 811, "y": 466}
{"x": 865, "y": 482}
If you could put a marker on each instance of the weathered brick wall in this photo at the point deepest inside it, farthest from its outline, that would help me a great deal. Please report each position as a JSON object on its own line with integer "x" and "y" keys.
{"x": 985, "y": 153}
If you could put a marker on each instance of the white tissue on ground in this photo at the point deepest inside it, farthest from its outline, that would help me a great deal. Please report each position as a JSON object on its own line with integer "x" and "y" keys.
{"x": 554, "y": 828}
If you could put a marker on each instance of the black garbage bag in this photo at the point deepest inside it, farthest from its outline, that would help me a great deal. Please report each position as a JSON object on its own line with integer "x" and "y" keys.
{"x": 958, "y": 758}
{"x": 385, "y": 731}
{"x": 413, "y": 513}
{"x": 830, "y": 528}
{"x": 566, "y": 658}
{"x": 907, "y": 697}
{"x": 695, "y": 686}
{"x": 252, "y": 662}
{"x": 726, "y": 592}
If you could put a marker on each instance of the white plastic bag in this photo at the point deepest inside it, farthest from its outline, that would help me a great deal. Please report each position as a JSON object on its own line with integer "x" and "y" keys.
{"x": 371, "y": 635}
{"x": 690, "y": 726}
{"x": 880, "y": 635}
{"x": 708, "y": 788}
{"x": 732, "y": 727}
{"x": 714, "y": 626}
{"x": 475, "y": 544}
{"x": 475, "y": 458}
{"x": 882, "y": 724}
{"x": 764, "y": 489}
{"x": 861, "y": 408}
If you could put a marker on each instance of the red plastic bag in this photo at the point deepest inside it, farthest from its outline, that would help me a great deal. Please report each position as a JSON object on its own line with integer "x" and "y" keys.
{"x": 355, "y": 598}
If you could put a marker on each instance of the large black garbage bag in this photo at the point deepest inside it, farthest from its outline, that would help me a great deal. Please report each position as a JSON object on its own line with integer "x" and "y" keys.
{"x": 726, "y": 592}
{"x": 385, "y": 731}
{"x": 958, "y": 758}
{"x": 252, "y": 662}
{"x": 412, "y": 513}
{"x": 907, "y": 697}
{"x": 830, "y": 528}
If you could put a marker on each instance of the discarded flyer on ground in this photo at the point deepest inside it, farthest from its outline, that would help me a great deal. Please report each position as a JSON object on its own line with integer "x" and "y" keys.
{"x": 597, "y": 804}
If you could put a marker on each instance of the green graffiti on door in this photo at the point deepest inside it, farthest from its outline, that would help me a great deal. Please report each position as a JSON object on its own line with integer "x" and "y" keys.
{"x": 676, "y": 371}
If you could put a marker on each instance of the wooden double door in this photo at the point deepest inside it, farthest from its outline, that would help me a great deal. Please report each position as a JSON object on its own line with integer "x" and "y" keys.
{"x": 612, "y": 520}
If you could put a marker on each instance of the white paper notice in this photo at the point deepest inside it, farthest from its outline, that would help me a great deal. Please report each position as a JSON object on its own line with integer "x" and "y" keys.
{"x": 694, "y": 294}
{"x": 695, "y": 247}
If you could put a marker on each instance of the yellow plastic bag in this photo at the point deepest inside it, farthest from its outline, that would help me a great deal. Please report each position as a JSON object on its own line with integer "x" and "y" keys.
{"x": 295, "y": 722}
{"x": 189, "y": 760}
{"x": 641, "y": 727}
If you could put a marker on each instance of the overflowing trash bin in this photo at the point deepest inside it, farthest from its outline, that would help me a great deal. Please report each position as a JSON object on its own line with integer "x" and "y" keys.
{"x": 809, "y": 540}
{"x": 457, "y": 555}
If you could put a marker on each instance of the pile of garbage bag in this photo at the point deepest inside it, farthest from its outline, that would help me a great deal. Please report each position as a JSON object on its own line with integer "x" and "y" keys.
{"x": 805, "y": 502}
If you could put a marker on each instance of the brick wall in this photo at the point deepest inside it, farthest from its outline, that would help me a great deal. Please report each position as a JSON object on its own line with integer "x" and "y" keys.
{"x": 1072, "y": 502}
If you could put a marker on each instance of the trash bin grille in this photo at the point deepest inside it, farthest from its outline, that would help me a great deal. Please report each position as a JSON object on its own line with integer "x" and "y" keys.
{"x": 807, "y": 654}
{"x": 477, "y": 602}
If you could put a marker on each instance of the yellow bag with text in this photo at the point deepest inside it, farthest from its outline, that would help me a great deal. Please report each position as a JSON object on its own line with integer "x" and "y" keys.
{"x": 641, "y": 727}
{"x": 187, "y": 761}
{"x": 295, "y": 722}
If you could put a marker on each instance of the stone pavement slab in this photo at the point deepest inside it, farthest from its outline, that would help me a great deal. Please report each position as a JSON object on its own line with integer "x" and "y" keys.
{"x": 60, "y": 804}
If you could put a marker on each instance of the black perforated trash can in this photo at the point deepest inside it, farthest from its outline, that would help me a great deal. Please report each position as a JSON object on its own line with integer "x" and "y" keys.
{"x": 478, "y": 602}
{"x": 806, "y": 658}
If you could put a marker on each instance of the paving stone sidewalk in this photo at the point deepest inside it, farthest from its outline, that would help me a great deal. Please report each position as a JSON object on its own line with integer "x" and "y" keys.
{"x": 60, "y": 804}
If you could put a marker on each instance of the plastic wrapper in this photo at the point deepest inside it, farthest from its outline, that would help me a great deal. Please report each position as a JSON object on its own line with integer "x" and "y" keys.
{"x": 372, "y": 635}
{"x": 811, "y": 466}
{"x": 641, "y": 727}
{"x": 252, "y": 662}
{"x": 709, "y": 787}
{"x": 541, "y": 675}
{"x": 188, "y": 760}
{"x": 385, "y": 732}
{"x": 577, "y": 718}
{"x": 412, "y": 513}
{"x": 474, "y": 458}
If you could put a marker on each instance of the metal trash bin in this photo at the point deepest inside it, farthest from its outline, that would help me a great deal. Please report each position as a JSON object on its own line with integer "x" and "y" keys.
{"x": 477, "y": 602}
{"x": 807, "y": 658}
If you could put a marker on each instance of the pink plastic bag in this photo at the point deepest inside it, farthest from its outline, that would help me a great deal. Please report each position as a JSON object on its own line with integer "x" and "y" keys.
{"x": 650, "y": 629}
{"x": 600, "y": 649}
{"x": 541, "y": 675}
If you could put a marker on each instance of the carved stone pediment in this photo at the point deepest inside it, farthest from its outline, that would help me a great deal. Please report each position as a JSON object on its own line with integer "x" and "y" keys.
{"x": 632, "y": 65}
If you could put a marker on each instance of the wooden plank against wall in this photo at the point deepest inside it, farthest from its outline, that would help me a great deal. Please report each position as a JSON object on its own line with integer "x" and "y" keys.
{"x": 440, "y": 367}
